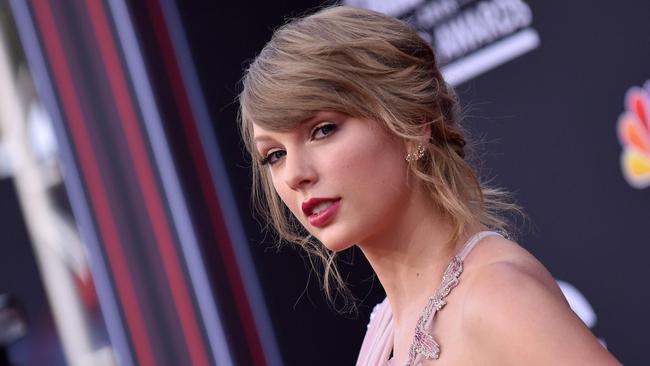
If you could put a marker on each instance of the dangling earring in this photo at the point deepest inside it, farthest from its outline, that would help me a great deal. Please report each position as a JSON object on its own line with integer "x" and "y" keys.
{"x": 417, "y": 155}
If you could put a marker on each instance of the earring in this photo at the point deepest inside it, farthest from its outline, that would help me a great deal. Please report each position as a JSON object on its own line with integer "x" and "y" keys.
{"x": 417, "y": 155}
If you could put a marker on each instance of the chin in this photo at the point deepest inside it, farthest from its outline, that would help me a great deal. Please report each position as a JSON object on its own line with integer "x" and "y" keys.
{"x": 336, "y": 243}
{"x": 337, "y": 247}
{"x": 334, "y": 237}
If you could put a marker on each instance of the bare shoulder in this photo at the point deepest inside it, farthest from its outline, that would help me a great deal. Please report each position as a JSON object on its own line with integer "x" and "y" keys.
{"x": 514, "y": 312}
{"x": 498, "y": 261}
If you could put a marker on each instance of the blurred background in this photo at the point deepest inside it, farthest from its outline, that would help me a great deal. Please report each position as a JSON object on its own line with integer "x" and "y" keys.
{"x": 126, "y": 235}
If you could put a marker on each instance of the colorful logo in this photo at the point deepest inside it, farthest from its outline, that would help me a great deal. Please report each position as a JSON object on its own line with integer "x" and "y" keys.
{"x": 634, "y": 134}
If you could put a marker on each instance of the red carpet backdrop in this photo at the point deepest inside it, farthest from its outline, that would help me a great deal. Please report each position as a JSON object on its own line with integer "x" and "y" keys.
{"x": 155, "y": 246}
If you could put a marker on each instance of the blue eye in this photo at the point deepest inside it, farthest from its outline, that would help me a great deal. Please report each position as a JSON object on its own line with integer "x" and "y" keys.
{"x": 323, "y": 130}
{"x": 273, "y": 157}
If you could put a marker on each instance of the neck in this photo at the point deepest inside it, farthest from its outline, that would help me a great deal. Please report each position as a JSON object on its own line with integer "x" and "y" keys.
{"x": 410, "y": 254}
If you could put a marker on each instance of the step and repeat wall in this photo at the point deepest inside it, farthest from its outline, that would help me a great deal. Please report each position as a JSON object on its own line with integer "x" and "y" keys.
{"x": 142, "y": 97}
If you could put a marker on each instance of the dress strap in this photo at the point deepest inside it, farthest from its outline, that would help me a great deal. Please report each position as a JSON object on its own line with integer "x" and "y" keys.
{"x": 472, "y": 242}
{"x": 423, "y": 342}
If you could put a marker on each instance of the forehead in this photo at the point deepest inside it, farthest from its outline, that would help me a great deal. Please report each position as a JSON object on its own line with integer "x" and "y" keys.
{"x": 259, "y": 132}
{"x": 262, "y": 134}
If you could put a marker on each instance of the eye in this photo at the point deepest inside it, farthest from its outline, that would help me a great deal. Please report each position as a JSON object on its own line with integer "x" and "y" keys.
{"x": 323, "y": 130}
{"x": 273, "y": 157}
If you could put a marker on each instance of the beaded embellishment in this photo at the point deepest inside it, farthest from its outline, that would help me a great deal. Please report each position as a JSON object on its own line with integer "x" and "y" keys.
{"x": 423, "y": 342}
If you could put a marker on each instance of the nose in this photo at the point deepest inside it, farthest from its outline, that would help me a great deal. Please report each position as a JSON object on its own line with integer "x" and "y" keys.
{"x": 299, "y": 171}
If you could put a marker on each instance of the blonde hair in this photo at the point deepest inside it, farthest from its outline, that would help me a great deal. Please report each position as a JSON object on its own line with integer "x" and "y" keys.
{"x": 367, "y": 65}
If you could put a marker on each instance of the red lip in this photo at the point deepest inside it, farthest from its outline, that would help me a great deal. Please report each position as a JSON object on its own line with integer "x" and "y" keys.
{"x": 323, "y": 217}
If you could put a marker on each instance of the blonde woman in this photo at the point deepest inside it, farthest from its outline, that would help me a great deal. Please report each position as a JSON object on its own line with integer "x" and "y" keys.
{"x": 355, "y": 139}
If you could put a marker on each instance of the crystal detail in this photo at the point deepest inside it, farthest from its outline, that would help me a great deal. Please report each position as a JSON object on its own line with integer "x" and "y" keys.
{"x": 423, "y": 342}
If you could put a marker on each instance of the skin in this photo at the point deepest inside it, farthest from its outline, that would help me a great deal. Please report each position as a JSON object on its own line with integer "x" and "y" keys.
{"x": 507, "y": 309}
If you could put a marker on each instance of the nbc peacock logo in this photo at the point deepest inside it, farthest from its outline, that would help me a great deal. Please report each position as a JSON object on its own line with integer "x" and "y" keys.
{"x": 634, "y": 135}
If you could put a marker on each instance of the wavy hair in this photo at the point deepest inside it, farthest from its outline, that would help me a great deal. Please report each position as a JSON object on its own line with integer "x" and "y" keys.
{"x": 367, "y": 65}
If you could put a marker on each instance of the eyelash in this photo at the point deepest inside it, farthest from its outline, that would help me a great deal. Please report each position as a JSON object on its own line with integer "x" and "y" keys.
{"x": 268, "y": 158}
{"x": 321, "y": 128}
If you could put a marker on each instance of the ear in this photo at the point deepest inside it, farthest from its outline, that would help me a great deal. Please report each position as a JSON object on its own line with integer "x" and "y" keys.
{"x": 426, "y": 133}
{"x": 415, "y": 149}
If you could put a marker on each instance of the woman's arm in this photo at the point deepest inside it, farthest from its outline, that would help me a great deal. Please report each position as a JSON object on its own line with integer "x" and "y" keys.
{"x": 514, "y": 316}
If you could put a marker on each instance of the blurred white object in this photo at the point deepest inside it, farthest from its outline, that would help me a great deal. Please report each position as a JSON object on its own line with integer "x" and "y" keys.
{"x": 30, "y": 146}
{"x": 580, "y": 305}
{"x": 41, "y": 133}
{"x": 5, "y": 166}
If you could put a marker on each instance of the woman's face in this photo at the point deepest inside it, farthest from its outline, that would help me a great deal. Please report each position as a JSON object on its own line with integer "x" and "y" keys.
{"x": 344, "y": 178}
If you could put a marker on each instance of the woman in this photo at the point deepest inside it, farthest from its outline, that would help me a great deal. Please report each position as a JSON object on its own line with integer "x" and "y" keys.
{"x": 355, "y": 139}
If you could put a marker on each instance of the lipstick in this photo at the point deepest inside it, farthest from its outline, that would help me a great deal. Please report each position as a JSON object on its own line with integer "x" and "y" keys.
{"x": 321, "y": 218}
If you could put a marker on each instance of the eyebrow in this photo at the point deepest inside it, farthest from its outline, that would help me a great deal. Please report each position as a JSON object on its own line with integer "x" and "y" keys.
{"x": 263, "y": 138}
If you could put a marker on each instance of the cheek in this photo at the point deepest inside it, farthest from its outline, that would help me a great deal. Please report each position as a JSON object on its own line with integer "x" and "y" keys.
{"x": 371, "y": 173}
{"x": 292, "y": 200}
{"x": 286, "y": 195}
{"x": 373, "y": 164}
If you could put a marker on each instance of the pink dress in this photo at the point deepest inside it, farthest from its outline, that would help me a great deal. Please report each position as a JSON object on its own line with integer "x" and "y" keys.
{"x": 378, "y": 342}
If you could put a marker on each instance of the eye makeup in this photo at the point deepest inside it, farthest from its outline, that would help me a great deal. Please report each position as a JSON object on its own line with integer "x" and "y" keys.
{"x": 323, "y": 130}
{"x": 272, "y": 157}
{"x": 319, "y": 131}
